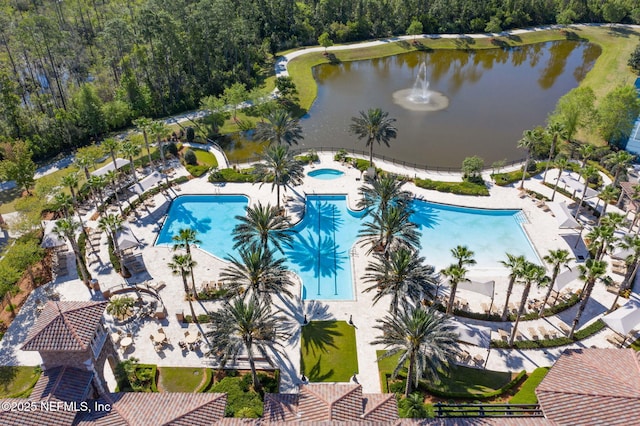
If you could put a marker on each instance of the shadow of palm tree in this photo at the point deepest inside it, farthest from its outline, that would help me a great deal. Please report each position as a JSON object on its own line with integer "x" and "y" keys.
{"x": 314, "y": 372}
{"x": 7, "y": 375}
{"x": 294, "y": 313}
{"x": 424, "y": 215}
{"x": 318, "y": 336}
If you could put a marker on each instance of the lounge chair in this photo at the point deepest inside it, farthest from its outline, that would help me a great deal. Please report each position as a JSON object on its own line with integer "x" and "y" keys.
{"x": 533, "y": 333}
{"x": 565, "y": 328}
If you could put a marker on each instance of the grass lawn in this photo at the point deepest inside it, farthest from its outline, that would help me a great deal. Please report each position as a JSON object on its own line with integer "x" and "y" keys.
{"x": 181, "y": 379}
{"x": 527, "y": 394}
{"x": 328, "y": 351}
{"x": 461, "y": 379}
{"x": 16, "y": 381}
{"x": 206, "y": 158}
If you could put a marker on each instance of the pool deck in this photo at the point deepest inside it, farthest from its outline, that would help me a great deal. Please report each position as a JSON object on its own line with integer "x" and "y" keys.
{"x": 542, "y": 230}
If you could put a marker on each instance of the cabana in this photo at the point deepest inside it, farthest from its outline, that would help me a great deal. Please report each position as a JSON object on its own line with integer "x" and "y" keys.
{"x": 624, "y": 319}
{"x": 120, "y": 162}
{"x": 578, "y": 187}
{"x": 563, "y": 215}
{"x": 126, "y": 239}
{"x": 565, "y": 278}
{"x": 50, "y": 238}
{"x": 146, "y": 183}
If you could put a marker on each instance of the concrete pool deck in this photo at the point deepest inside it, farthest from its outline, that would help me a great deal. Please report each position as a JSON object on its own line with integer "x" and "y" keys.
{"x": 542, "y": 230}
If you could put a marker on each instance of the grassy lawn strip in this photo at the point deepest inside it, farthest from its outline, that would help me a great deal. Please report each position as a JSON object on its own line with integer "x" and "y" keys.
{"x": 206, "y": 158}
{"x": 463, "y": 382}
{"x": 17, "y": 382}
{"x": 526, "y": 394}
{"x": 328, "y": 351}
{"x": 181, "y": 379}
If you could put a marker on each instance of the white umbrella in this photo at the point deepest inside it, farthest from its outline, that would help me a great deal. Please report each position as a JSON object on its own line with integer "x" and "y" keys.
{"x": 625, "y": 318}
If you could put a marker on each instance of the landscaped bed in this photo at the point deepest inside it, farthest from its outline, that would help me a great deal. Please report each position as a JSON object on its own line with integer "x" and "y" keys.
{"x": 183, "y": 379}
{"x": 242, "y": 399}
{"x": 17, "y": 382}
{"x": 328, "y": 351}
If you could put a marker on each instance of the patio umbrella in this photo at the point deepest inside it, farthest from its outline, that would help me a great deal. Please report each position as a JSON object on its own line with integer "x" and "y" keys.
{"x": 624, "y": 319}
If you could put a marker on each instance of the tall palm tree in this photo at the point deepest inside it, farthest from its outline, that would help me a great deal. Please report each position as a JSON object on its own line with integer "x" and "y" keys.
{"x": 83, "y": 163}
{"x": 561, "y": 163}
{"x": 280, "y": 168}
{"x": 557, "y": 259}
{"x": 530, "y": 139}
{"x": 279, "y": 127}
{"x": 159, "y": 131}
{"x": 244, "y": 325}
{"x": 71, "y": 182}
{"x": 425, "y": 341}
{"x": 619, "y": 163}
{"x": 463, "y": 255}
{"x": 114, "y": 177}
{"x": 183, "y": 264}
{"x": 257, "y": 272}
{"x": 262, "y": 225}
{"x": 66, "y": 229}
{"x": 112, "y": 224}
{"x": 377, "y": 194}
{"x": 131, "y": 149}
{"x": 143, "y": 124}
{"x": 587, "y": 173}
{"x": 600, "y": 237}
{"x": 389, "y": 230}
{"x": 515, "y": 265}
{"x": 590, "y": 272}
{"x": 608, "y": 195}
{"x": 404, "y": 276}
{"x": 630, "y": 242}
{"x": 374, "y": 126}
{"x": 586, "y": 151}
{"x": 97, "y": 183}
{"x": 64, "y": 202}
{"x": 531, "y": 273}
{"x": 111, "y": 146}
{"x": 185, "y": 238}
{"x": 455, "y": 274}
{"x": 554, "y": 130}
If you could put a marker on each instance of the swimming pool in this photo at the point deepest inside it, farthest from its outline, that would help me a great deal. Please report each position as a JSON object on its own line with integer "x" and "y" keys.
{"x": 325, "y": 174}
{"x": 324, "y": 238}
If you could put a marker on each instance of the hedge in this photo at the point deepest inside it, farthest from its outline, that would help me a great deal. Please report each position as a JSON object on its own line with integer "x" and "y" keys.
{"x": 197, "y": 171}
{"x": 526, "y": 394}
{"x": 207, "y": 382}
{"x": 460, "y": 188}
{"x": 231, "y": 175}
{"x": 551, "y": 343}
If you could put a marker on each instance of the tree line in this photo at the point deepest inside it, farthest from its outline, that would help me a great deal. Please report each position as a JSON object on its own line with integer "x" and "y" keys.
{"x": 72, "y": 71}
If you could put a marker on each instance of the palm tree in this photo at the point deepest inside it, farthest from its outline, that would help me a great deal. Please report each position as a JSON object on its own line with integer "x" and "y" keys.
{"x": 244, "y": 325}
{"x": 585, "y": 151}
{"x": 599, "y": 239}
{"x": 515, "y": 264}
{"x": 184, "y": 239}
{"x": 183, "y": 264}
{"x": 114, "y": 177}
{"x": 530, "y": 138}
{"x": 131, "y": 149}
{"x": 463, "y": 255}
{"x": 96, "y": 183}
{"x": 618, "y": 162}
{"x": 424, "y": 339}
{"x": 374, "y": 126}
{"x": 111, "y": 146}
{"x": 590, "y": 272}
{"x": 587, "y": 173}
{"x": 279, "y": 168}
{"x": 279, "y": 127}
{"x": 66, "y": 229}
{"x": 143, "y": 124}
{"x": 120, "y": 307}
{"x": 258, "y": 272}
{"x": 456, "y": 274}
{"x": 390, "y": 229}
{"x": 112, "y": 224}
{"x": 379, "y": 193}
{"x": 71, "y": 182}
{"x": 64, "y": 202}
{"x": 159, "y": 130}
{"x": 531, "y": 273}
{"x": 83, "y": 163}
{"x": 608, "y": 195}
{"x": 262, "y": 225}
{"x": 560, "y": 163}
{"x": 403, "y": 276}
{"x": 631, "y": 243}
{"x": 555, "y": 130}
{"x": 557, "y": 259}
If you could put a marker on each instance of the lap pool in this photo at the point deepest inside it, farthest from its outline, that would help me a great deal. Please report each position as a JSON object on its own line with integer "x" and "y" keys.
{"x": 324, "y": 238}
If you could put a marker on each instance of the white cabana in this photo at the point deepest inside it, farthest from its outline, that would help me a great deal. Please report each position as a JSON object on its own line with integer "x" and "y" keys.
{"x": 563, "y": 215}
{"x": 578, "y": 187}
{"x": 565, "y": 278}
{"x": 126, "y": 239}
{"x": 146, "y": 183}
{"x": 50, "y": 239}
{"x": 120, "y": 162}
{"x": 476, "y": 335}
{"x": 485, "y": 288}
{"x": 624, "y": 319}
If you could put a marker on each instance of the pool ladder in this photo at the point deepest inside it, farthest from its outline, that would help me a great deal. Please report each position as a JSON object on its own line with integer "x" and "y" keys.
{"x": 521, "y": 217}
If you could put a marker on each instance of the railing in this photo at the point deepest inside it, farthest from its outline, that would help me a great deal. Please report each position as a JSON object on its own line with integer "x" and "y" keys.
{"x": 365, "y": 154}
{"x": 487, "y": 410}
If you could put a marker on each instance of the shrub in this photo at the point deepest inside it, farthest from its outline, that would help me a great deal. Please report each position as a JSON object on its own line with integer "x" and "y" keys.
{"x": 460, "y": 188}
{"x": 309, "y": 158}
{"x": 552, "y": 343}
{"x": 212, "y": 294}
{"x": 231, "y": 175}
{"x": 191, "y": 134}
{"x": 202, "y": 319}
{"x": 112, "y": 255}
{"x": 197, "y": 171}
{"x": 239, "y": 402}
{"x": 171, "y": 148}
{"x": 472, "y": 169}
{"x": 341, "y": 155}
{"x": 190, "y": 157}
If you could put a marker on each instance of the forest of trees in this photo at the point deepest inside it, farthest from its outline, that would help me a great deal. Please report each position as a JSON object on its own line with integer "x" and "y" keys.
{"x": 70, "y": 71}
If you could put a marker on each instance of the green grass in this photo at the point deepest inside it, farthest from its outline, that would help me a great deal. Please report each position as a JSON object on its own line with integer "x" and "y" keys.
{"x": 526, "y": 394}
{"x": 17, "y": 382}
{"x": 181, "y": 379}
{"x": 635, "y": 345}
{"x": 328, "y": 351}
{"x": 206, "y": 158}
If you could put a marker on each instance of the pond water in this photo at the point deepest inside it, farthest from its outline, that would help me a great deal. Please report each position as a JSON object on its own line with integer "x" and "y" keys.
{"x": 493, "y": 96}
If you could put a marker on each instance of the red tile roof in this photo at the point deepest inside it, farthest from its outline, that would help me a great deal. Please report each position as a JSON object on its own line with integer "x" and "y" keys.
{"x": 64, "y": 384}
{"x": 65, "y": 326}
{"x": 18, "y": 415}
{"x": 592, "y": 386}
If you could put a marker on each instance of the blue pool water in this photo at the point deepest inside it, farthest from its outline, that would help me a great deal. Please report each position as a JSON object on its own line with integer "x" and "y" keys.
{"x": 325, "y": 174}
{"x": 323, "y": 240}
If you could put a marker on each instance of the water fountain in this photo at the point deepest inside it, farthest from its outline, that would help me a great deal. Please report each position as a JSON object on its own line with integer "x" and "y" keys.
{"x": 419, "y": 97}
